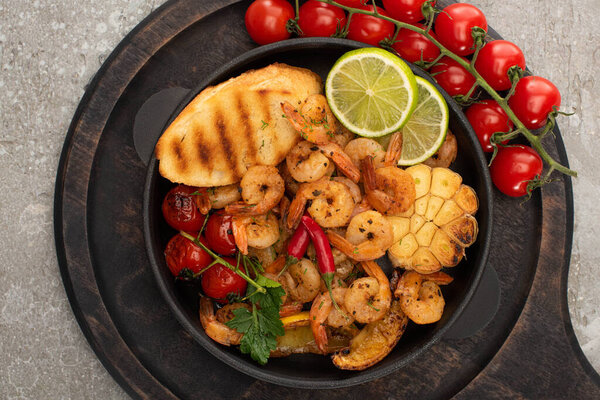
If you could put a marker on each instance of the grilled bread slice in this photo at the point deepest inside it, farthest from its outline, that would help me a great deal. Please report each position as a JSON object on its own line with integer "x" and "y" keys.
{"x": 234, "y": 125}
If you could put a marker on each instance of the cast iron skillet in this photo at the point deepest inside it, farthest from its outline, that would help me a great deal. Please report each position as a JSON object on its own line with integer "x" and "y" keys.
{"x": 314, "y": 371}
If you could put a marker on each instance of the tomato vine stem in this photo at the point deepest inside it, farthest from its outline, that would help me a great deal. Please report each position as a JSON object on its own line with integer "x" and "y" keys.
{"x": 533, "y": 139}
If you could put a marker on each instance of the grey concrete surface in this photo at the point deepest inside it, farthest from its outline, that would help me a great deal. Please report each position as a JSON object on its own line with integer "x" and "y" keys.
{"x": 50, "y": 49}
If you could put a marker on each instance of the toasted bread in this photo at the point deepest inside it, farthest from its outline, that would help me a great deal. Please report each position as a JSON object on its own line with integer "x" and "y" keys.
{"x": 231, "y": 126}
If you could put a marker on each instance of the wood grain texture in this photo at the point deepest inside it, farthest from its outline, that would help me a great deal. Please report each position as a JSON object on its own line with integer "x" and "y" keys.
{"x": 527, "y": 351}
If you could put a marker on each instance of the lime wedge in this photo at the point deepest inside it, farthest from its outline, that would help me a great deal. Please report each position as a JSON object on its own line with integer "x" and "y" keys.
{"x": 426, "y": 128}
{"x": 371, "y": 91}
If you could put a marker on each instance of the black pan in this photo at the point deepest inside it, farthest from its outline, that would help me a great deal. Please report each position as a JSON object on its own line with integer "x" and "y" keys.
{"x": 314, "y": 371}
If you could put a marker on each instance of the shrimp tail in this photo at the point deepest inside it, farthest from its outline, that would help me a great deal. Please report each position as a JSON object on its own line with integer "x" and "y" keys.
{"x": 202, "y": 200}
{"x": 290, "y": 309}
{"x": 318, "y": 314}
{"x": 239, "y": 234}
{"x": 276, "y": 266}
{"x": 342, "y": 160}
{"x": 394, "y": 150}
{"x": 296, "y": 210}
{"x": 369, "y": 175}
{"x": 214, "y": 329}
{"x": 440, "y": 278}
{"x": 243, "y": 209}
{"x": 341, "y": 243}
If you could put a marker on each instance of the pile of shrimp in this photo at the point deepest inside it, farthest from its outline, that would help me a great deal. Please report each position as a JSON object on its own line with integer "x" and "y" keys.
{"x": 348, "y": 186}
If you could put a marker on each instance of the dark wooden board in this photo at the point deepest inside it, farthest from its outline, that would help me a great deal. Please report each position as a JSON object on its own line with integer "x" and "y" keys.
{"x": 528, "y": 350}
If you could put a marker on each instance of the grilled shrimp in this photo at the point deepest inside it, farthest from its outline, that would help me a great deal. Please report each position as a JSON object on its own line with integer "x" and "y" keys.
{"x": 368, "y": 236}
{"x": 222, "y": 196}
{"x": 390, "y": 190}
{"x": 335, "y": 318}
{"x": 262, "y": 188}
{"x": 361, "y": 148}
{"x": 394, "y": 150}
{"x": 260, "y": 231}
{"x": 315, "y": 123}
{"x": 215, "y": 329}
{"x": 307, "y": 163}
{"x": 301, "y": 281}
{"x": 320, "y": 311}
{"x": 446, "y": 154}
{"x": 331, "y": 205}
{"x": 353, "y": 187}
{"x": 420, "y": 296}
{"x": 368, "y": 299}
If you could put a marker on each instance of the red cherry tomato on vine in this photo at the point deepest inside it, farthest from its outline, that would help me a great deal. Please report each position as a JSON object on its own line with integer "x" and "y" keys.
{"x": 180, "y": 210}
{"x": 533, "y": 100}
{"x": 320, "y": 19}
{"x": 182, "y": 253}
{"x": 219, "y": 233}
{"x": 487, "y": 117}
{"x": 513, "y": 167}
{"x": 405, "y": 10}
{"x": 495, "y": 59}
{"x": 266, "y": 20}
{"x": 412, "y": 45}
{"x": 218, "y": 281}
{"x": 369, "y": 29}
{"x": 453, "y": 27}
{"x": 452, "y": 77}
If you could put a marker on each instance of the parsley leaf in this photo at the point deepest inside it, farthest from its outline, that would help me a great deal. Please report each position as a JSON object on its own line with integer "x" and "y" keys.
{"x": 261, "y": 326}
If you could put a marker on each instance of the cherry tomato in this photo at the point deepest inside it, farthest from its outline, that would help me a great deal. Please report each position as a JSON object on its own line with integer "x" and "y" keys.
{"x": 533, "y": 100}
{"x": 182, "y": 253}
{"x": 180, "y": 210}
{"x": 219, "y": 233}
{"x": 452, "y": 77}
{"x": 494, "y": 60}
{"x": 369, "y": 29}
{"x": 487, "y": 117}
{"x": 411, "y": 46}
{"x": 320, "y": 19}
{"x": 405, "y": 10}
{"x": 218, "y": 281}
{"x": 266, "y": 20}
{"x": 453, "y": 27}
{"x": 513, "y": 167}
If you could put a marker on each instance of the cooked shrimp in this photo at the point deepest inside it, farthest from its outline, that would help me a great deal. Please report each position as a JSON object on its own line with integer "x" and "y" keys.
{"x": 307, "y": 163}
{"x": 390, "y": 190}
{"x": 337, "y": 319}
{"x": 331, "y": 205}
{"x": 368, "y": 299}
{"x": 302, "y": 281}
{"x": 260, "y": 231}
{"x": 291, "y": 185}
{"x": 420, "y": 296}
{"x": 221, "y": 196}
{"x": 202, "y": 200}
{"x": 262, "y": 188}
{"x": 361, "y": 148}
{"x": 343, "y": 265}
{"x": 394, "y": 150}
{"x": 315, "y": 123}
{"x": 368, "y": 236}
{"x": 361, "y": 207}
{"x": 216, "y": 330}
{"x": 353, "y": 187}
{"x": 446, "y": 154}
{"x": 319, "y": 312}
{"x": 225, "y": 313}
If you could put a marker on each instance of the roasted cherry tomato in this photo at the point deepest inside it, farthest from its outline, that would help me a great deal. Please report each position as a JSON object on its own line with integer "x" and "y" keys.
{"x": 412, "y": 46}
{"x": 453, "y": 27}
{"x": 369, "y": 29}
{"x": 218, "y": 281}
{"x": 180, "y": 210}
{"x": 266, "y": 20}
{"x": 182, "y": 253}
{"x": 320, "y": 19}
{"x": 219, "y": 233}
{"x": 487, "y": 118}
{"x": 452, "y": 77}
{"x": 495, "y": 59}
{"x": 513, "y": 168}
{"x": 533, "y": 100}
{"x": 405, "y": 10}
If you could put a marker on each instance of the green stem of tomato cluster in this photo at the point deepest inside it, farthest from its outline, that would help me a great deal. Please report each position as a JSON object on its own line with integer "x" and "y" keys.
{"x": 219, "y": 260}
{"x": 535, "y": 140}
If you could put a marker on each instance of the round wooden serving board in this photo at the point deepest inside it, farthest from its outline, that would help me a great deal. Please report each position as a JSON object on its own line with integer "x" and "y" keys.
{"x": 528, "y": 350}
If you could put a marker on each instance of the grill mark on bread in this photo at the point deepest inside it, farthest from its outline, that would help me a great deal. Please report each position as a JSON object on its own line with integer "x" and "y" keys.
{"x": 251, "y": 150}
{"x": 227, "y": 147}
{"x": 182, "y": 165}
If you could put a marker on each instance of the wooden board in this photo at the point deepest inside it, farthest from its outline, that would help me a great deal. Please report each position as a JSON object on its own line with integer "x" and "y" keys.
{"x": 529, "y": 349}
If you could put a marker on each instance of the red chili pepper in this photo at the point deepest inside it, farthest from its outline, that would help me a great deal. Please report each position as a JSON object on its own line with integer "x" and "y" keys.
{"x": 324, "y": 254}
{"x": 297, "y": 245}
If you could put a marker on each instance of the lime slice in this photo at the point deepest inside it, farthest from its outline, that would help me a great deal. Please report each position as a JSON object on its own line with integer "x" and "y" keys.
{"x": 426, "y": 128}
{"x": 371, "y": 92}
